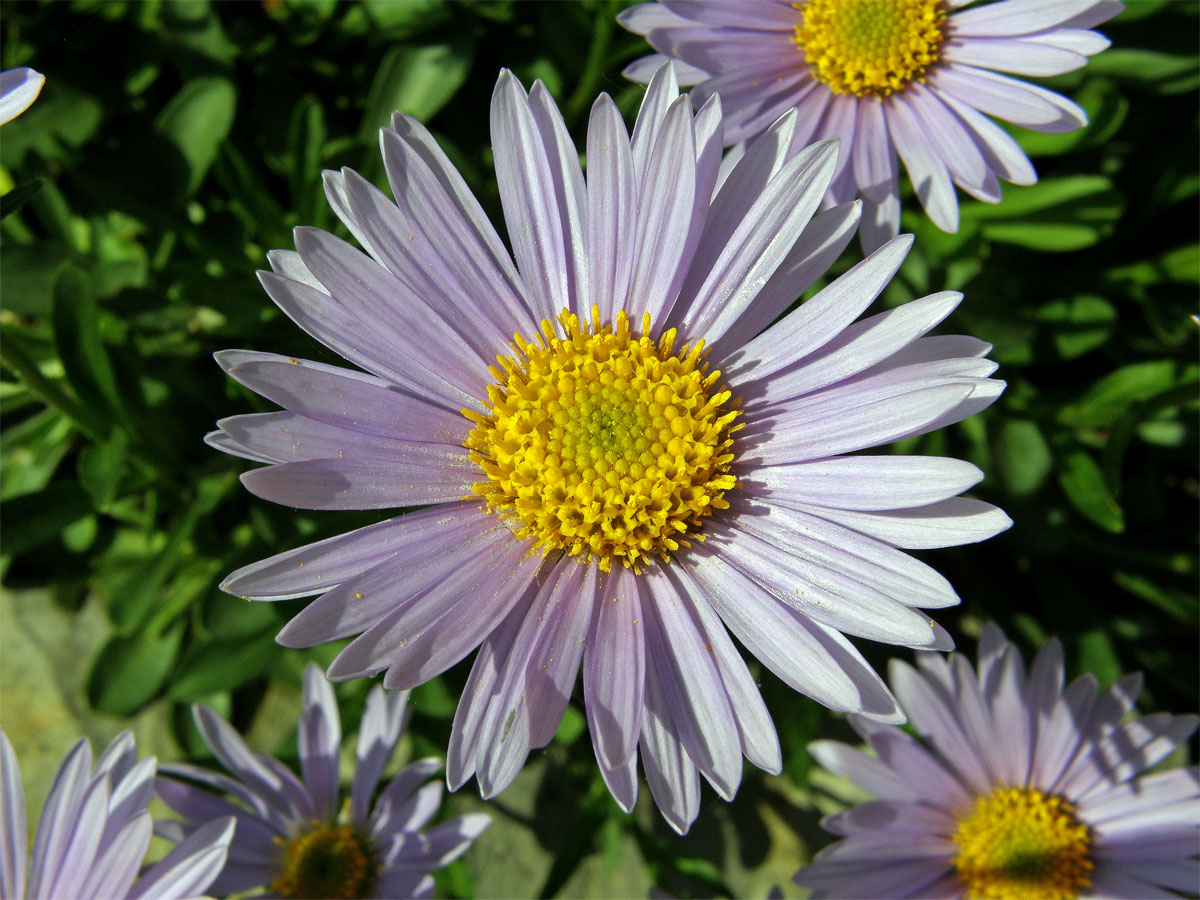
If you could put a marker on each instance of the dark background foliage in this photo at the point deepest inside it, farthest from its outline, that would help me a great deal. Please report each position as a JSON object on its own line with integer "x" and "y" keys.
{"x": 176, "y": 142}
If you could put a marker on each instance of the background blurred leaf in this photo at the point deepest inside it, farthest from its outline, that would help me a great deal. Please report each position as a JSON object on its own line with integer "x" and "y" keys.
{"x": 130, "y": 671}
{"x": 196, "y": 122}
{"x": 19, "y": 196}
{"x": 417, "y": 80}
{"x": 101, "y": 467}
{"x": 1083, "y": 482}
{"x": 1055, "y": 215}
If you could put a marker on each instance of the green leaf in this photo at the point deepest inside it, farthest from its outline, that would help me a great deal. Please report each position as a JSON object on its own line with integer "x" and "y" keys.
{"x": 1095, "y": 653}
{"x": 195, "y": 31}
{"x": 63, "y": 117}
{"x": 573, "y": 725}
{"x": 134, "y": 597}
{"x": 306, "y": 141}
{"x": 1183, "y": 606}
{"x": 1168, "y": 73}
{"x": 101, "y": 467}
{"x": 29, "y": 276}
{"x": 18, "y": 197}
{"x": 231, "y": 618}
{"x": 77, "y": 339}
{"x": 31, "y": 451}
{"x": 1055, "y": 215}
{"x": 396, "y": 21}
{"x": 1079, "y": 324}
{"x": 196, "y": 122}
{"x": 1082, "y": 481}
{"x": 211, "y": 666}
{"x": 33, "y": 519}
{"x": 1023, "y": 456}
{"x": 1115, "y": 393}
{"x": 130, "y": 671}
{"x": 417, "y": 80}
{"x": 1106, "y": 108}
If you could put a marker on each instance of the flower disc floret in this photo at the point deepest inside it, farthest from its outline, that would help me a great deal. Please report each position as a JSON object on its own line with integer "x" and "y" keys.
{"x": 328, "y": 861}
{"x": 1020, "y": 842}
{"x": 870, "y": 47}
{"x": 604, "y": 443}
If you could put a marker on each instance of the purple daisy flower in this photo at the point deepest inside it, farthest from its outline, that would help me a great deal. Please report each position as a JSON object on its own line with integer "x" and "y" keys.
{"x": 94, "y": 831}
{"x": 911, "y": 78}
{"x": 1017, "y": 788}
{"x": 621, "y": 454}
{"x": 294, "y": 837}
{"x": 18, "y": 89}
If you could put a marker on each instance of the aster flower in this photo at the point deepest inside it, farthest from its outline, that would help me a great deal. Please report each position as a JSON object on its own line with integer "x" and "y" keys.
{"x": 18, "y": 89}
{"x": 911, "y": 78}
{"x": 621, "y": 455}
{"x": 1016, "y": 788}
{"x": 94, "y": 831}
{"x": 294, "y": 837}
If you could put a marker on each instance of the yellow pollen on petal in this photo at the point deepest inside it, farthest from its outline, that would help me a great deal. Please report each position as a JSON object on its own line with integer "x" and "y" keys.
{"x": 870, "y": 47}
{"x": 1016, "y": 843}
{"x": 605, "y": 443}
{"x": 328, "y": 861}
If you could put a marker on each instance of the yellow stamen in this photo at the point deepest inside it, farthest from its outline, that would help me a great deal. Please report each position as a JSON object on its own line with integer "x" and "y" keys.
{"x": 604, "y": 444}
{"x": 870, "y": 47}
{"x": 1016, "y": 843}
{"x": 328, "y": 861}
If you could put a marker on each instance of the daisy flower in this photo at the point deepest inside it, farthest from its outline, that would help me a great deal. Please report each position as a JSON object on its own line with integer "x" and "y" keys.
{"x": 907, "y": 78}
{"x": 1016, "y": 788}
{"x": 618, "y": 450}
{"x": 294, "y": 838}
{"x": 18, "y": 89}
{"x": 94, "y": 831}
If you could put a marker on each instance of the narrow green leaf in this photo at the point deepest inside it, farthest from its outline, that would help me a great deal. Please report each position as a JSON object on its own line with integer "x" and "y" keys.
{"x": 18, "y": 197}
{"x": 31, "y": 451}
{"x": 101, "y": 467}
{"x": 1082, "y": 481}
{"x": 211, "y": 666}
{"x": 1116, "y": 392}
{"x": 77, "y": 338}
{"x": 1079, "y": 324}
{"x": 1181, "y": 605}
{"x": 131, "y": 670}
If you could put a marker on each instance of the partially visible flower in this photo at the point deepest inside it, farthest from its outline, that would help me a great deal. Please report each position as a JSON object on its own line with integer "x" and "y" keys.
{"x": 94, "y": 831}
{"x": 294, "y": 837}
{"x": 1016, "y": 788}
{"x": 888, "y": 77}
{"x": 623, "y": 446}
{"x": 18, "y": 89}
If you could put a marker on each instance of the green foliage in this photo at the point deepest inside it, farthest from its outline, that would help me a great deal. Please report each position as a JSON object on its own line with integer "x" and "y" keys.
{"x": 175, "y": 143}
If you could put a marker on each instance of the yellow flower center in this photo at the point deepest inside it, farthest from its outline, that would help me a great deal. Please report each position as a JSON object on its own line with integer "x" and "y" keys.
{"x": 335, "y": 862}
{"x": 1019, "y": 843}
{"x": 604, "y": 443}
{"x": 872, "y": 47}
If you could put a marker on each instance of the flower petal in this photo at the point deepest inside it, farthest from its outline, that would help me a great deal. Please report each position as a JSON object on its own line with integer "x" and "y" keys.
{"x": 383, "y": 721}
{"x": 614, "y": 667}
{"x": 611, "y": 208}
{"x": 12, "y": 823}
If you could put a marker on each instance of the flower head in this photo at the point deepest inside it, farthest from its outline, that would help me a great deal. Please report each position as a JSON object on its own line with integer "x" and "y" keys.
{"x": 295, "y": 838}
{"x": 1016, "y": 788}
{"x": 622, "y": 456}
{"x": 907, "y": 78}
{"x": 94, "y": 831}
{"x": 18, "y": 89}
